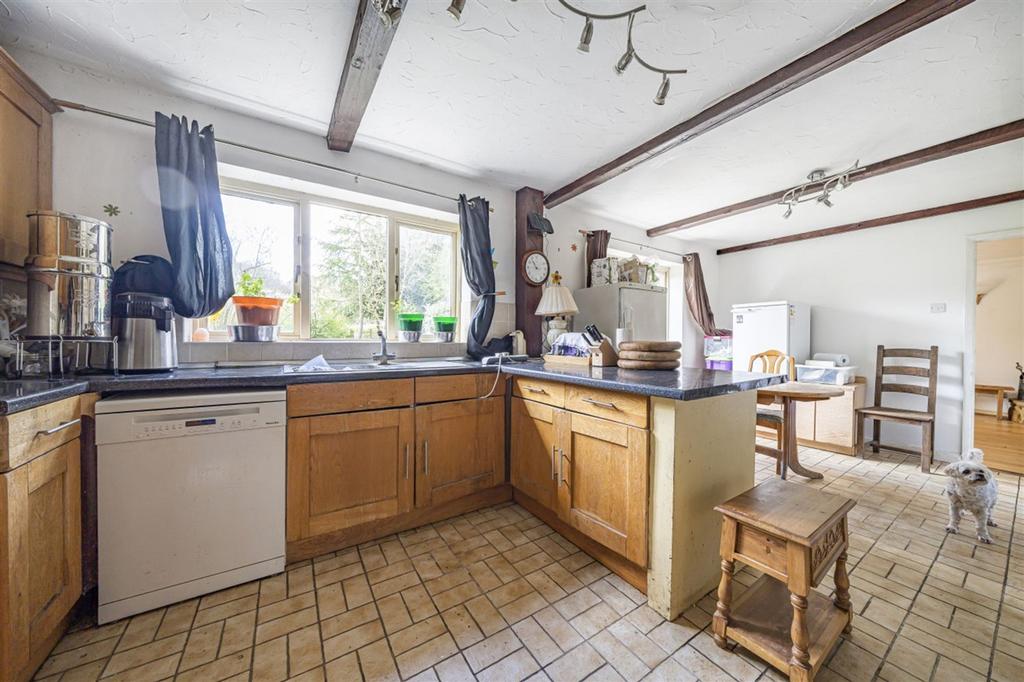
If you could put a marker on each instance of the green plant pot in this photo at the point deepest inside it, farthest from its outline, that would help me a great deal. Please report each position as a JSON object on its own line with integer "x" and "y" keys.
{"x": 444, "y": 323}
{"x": 410, "y": 322}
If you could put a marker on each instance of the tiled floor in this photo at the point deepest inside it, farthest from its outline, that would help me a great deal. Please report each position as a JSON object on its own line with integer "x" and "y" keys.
{"x": 498, "y": 595}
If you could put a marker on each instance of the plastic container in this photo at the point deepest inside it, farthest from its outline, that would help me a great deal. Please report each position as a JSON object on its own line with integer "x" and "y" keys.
{"x": 840, "y": 376}
{"x": 257, "y": 310}
{"x": 724, "y": 365}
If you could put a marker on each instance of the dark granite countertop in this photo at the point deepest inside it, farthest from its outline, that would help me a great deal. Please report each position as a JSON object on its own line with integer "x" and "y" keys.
{"x": 686, "y": 383}
{"x": 682, "y": 384}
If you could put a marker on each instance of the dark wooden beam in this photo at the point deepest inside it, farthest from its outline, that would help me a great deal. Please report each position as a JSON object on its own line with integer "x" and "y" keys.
{"x": 528, "y": 200}
{"x": 367, "y": 50}
{"x": 961, "y": 145}
{"x": 879, "y": 222}
{"x": 900, "y": 20}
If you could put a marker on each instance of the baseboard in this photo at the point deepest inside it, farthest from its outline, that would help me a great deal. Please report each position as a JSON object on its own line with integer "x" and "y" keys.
{"x": 616, "y": 563}
{"x": 307, "y": 548}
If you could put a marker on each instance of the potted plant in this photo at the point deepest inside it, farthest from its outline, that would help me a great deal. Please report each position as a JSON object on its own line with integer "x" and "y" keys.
{"x": 444, "y": 327}
{"x": 252, "y": 306}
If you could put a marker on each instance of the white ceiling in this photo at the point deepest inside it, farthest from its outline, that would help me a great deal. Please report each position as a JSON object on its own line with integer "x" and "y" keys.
{"x": 504, "y": 95}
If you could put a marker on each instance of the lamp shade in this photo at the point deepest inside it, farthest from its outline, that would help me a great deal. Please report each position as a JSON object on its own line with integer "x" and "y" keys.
{"x": 556, "y": 300}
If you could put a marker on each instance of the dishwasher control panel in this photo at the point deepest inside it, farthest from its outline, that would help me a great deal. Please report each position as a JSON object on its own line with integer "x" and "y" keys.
{"x": 198, "y": 425}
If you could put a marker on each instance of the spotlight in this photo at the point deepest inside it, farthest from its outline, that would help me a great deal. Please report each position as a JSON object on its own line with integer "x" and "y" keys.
{"x": 455, "y": 9}
{"x": 659, "y": 98}
{"x": 824, "y": 199}
{"x": 588, "y": 33}
{"x": 624, "y": 61}
{"x": 789, "y": 211}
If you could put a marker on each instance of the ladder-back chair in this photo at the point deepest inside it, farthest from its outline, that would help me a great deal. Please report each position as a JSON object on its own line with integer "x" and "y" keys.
{"x": 773, "y": 362}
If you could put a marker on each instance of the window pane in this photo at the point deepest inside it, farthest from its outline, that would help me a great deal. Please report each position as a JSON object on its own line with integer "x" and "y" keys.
{"x": 425, "y": 273}
{"x": 348, "y": 271}
{"x": 262, "y": 235}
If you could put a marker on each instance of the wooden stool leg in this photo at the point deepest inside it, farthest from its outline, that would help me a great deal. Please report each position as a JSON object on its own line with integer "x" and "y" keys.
{"x": 800, "y": 658}
{"x": 842, "y": 598}
{"x": 721, "y": 619}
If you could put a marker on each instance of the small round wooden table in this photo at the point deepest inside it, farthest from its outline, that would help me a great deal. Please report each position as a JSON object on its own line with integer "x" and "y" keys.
{"x": 789, "y": 394}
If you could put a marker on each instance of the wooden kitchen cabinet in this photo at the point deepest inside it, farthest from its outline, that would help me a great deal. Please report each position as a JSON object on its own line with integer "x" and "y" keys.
{"x": 26, "y": 156}
{"x": 602, "y": 483}
{"x": 460, "y": 449}
{"x": 536, "y": 429}
{"x": 348, "y": 469}
{"x": 41, "y": 556}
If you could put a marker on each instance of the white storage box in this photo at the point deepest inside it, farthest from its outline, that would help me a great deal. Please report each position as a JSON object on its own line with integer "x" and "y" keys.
{"x": 826, "y": 375}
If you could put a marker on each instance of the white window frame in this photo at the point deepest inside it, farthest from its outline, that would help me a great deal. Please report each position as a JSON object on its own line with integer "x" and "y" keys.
{"x": 302, "y": 284}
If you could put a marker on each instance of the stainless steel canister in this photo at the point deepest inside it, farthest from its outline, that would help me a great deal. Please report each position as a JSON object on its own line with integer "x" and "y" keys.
{"x": 68, "y": 304}
{"x": 69, "y": 276}
{"x": 69, "y": 243}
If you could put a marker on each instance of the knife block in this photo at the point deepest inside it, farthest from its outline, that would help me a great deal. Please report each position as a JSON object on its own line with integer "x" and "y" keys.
{"x": 603, "y": 354}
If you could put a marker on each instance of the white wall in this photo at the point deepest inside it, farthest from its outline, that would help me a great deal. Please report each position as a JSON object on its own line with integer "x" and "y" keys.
{"x": 568, "y": 222}
{"x": 999, "y": 319}
{"x": 875, "y": 287}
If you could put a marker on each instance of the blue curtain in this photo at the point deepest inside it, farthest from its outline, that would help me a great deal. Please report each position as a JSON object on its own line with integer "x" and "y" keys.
{"x": 201, "y": 255}
{"x": 474, "y": 225}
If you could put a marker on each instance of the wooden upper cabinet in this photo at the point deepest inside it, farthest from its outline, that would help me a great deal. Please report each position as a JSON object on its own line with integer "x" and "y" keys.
{"x": 603, "y": 481}
{"x": 348, "y": 469}
{"x": 535, "y": 437}
{"x": 40, "y": 546}
{"x": 26, "y": 156}
{"x": 460, "y": 449}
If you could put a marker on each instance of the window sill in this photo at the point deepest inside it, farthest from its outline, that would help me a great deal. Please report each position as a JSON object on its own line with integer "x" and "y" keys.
{"x": 300, "y": 351}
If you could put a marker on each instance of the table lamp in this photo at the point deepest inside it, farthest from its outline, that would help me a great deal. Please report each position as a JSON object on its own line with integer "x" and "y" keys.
{"x": 556, "y": 302}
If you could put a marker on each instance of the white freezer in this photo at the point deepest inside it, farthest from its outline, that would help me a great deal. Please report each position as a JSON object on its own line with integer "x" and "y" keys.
{"x": 609, "y": 306}
{"x": 772, "y": 325}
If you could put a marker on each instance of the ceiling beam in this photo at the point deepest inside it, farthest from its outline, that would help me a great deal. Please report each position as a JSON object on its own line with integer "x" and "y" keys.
{"x": 879, "y": 222}
{"x": 367, "y": 50}
{"x": 968, "y": 143}
{"x": 900, "y": 20}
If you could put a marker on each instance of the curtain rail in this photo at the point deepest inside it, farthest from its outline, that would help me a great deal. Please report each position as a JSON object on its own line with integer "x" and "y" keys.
{"x": 241, "y": 145}
{"x": 643, "y": 246}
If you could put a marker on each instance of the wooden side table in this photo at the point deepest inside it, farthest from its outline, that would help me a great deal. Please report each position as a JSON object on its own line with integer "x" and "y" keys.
{"x": 793, "y": 534}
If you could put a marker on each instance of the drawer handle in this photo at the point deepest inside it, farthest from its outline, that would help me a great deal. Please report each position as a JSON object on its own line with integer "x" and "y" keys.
{"x": 407, "y": 461}
{"x": 534, "y": 389}
{"x": 426, "y": 458}
{"x": 57, "y": 429}
{"x": 599, "y": 403}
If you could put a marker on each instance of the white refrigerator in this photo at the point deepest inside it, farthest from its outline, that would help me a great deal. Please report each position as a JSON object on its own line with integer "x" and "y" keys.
{"x": 610, "y": 306}
{"x": 772, "y": 325}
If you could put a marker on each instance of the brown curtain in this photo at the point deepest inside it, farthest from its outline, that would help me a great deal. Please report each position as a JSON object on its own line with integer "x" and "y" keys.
{"x": 697, "y": 296}
{"x": 597, "y": 247}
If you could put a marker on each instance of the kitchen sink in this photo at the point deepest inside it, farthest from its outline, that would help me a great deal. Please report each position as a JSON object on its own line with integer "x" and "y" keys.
{"x": 346, "y": 367}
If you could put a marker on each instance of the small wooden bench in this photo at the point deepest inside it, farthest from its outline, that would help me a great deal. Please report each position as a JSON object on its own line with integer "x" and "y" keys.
{"x": 793, "y": 534}
{"x": 998, "y": 392}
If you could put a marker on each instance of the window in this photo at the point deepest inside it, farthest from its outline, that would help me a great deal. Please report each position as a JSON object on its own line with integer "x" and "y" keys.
{"x": 346, "y": 269}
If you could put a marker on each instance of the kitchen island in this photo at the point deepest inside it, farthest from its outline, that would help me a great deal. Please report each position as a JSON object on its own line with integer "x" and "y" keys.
{"x": 626, "y": 464}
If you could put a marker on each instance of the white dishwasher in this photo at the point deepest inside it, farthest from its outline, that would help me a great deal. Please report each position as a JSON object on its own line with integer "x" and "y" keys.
{"x": 190, "y": 493}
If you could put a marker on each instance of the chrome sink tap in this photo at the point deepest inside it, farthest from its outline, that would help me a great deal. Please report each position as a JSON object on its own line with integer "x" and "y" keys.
{"x": 383, "y": 356}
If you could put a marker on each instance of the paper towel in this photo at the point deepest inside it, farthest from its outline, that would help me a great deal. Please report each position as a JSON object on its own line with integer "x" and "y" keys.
{"x": 840, "y": 359}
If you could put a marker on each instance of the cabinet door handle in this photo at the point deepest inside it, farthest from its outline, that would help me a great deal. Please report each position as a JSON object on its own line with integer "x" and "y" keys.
{"x": 407, "y": 461}
{"x": 426, "y": 458}
{"x": 561, "y": 476}
{"x": 610, "y": 406}
{"x": 554, "y": 456}
{"x": 534, "y": 389}
{"x": 60, "y": 427}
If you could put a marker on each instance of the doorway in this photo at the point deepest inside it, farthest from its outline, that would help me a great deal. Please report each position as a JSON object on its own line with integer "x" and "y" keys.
{"x": 998, "y": 351}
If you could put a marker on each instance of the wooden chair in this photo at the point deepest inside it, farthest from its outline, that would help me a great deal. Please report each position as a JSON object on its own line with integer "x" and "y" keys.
{"x": 923, "y": 418}
{"x": 772, "y": 362}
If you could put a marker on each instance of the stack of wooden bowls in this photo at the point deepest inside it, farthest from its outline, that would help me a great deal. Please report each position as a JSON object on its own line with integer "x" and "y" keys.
{"x": 649, "y": 354}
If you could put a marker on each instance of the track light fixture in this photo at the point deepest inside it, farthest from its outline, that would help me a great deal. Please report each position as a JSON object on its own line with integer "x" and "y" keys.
{"x": 588, "y": 33}
{"x": 455, "y": 9}
{"x": 659, "y": 98}
{"x": 627, "y": 58}
{"x": 819, "y": 187}
{"x": 389, "y": 11}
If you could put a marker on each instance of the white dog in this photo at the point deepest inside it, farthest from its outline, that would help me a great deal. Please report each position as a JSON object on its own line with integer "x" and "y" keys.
{"x": 971, "y": 486}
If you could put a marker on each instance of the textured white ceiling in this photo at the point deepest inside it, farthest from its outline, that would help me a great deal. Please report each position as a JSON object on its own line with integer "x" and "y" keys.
{"x": 504, "y": 95}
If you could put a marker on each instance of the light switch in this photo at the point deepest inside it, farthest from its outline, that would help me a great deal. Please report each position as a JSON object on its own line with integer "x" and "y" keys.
{"x": 938, "y": 307}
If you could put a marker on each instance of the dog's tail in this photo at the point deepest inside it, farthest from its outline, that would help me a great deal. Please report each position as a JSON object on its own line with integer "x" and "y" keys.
{"x": 975, "y": 455}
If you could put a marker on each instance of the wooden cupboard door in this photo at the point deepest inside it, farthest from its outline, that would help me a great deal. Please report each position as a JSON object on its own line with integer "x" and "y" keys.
{"x": 834, "y": 420}
{"x": 26, "y": 158}
{"x": 535, "y": 430}
{"x": 348, "y": 469}
{"x": 603, "y": 482}
{"x": 41, "y": 550}
{"x": 460, "y": 449}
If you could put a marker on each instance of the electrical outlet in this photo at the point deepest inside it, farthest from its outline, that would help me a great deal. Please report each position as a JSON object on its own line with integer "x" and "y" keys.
{"x": 938, "y": 307}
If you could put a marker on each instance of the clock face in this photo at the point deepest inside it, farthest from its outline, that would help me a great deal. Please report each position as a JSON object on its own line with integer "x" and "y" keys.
{"x": 536, "y": 268}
